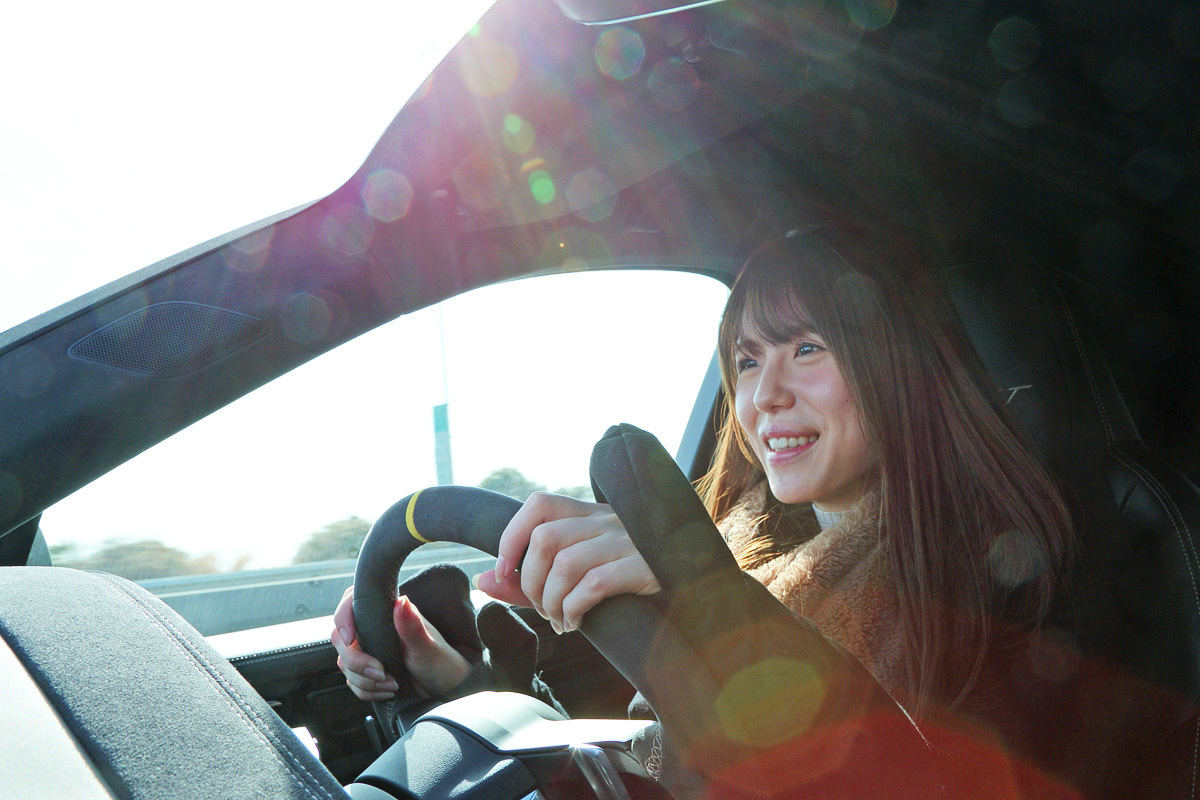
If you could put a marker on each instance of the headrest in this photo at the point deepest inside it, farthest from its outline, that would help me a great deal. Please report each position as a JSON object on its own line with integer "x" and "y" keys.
{"x": 1054, "y": 382}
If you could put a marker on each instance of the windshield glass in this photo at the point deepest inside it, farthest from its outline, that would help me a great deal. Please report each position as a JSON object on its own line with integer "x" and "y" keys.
{"x": 132, "y": 130}
{"x": 253, "y": 515}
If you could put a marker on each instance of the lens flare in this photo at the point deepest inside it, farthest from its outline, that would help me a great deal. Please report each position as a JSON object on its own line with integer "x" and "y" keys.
{"x": 770, "y": 701}
{"x": 519, "y": 136}
{"x": 1015, "y": 43}
{"x": 592, "y": 195}
{"x": 541, "y": 185}
{"x": 1023, "y": 101}
{"x": 1013, "y": 559}
{"x": 489, "y": 68}
{"x": 619, "y": 53}
{"x": 347, "y": 229}
{"x": 673, "y": 84}
{"x": 305, "y": 318}
{"x": 574, "y": 248}
{"x": 482, "y": 181}
{"x": 387, "y": 195}
{"x": 822, "y": 30}
{"x": 1054, "y": 655}
{"x": 249, "y": 253}
{"x": 423, "y": 90}
{"x": 488, "y": 261}
{"x": 871, "y": 15}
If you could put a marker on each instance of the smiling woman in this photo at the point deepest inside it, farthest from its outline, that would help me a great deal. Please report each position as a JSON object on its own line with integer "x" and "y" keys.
{"x": 477, "y": 296}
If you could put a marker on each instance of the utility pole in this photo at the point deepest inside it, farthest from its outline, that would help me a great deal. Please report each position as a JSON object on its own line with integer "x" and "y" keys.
{"x": 441, "y": 420}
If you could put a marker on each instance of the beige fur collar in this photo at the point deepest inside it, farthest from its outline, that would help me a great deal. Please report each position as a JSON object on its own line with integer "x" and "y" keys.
{"x": 839, "y": 579}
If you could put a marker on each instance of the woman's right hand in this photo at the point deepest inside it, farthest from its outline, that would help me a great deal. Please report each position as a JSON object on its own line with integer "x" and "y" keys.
{"x": 435, "y": 666}
{"x": 572, "y": 554}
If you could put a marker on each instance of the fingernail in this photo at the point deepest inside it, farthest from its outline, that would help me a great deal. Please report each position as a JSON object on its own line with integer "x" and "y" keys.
{"x": 567, "y": 625}
{"x": 557, "y": 628}
{"x": 373, "y": 674}
{"x": 501, "y": 568}
{"x": 345, "y": 634}
{"x": 475, "y": 581}
{"x": 391, "y": 686}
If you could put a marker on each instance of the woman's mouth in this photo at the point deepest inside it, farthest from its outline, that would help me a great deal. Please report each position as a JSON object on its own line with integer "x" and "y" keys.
{"x": 784, "y": 448}
{"x": 779, "y": 444}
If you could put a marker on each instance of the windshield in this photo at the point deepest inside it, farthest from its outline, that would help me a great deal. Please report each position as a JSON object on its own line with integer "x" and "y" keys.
{"x": 133, "y": 129}
{"x": 253, "y": 515}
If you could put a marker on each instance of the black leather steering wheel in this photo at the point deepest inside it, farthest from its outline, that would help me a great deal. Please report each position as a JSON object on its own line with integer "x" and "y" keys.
{"x": 693, "y": 650}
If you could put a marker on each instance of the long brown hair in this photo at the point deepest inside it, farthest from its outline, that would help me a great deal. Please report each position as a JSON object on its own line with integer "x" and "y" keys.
{"x": 970, "y": 519}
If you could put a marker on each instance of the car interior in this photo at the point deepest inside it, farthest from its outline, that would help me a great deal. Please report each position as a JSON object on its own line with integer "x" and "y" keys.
{"x": 1047, "y": 151}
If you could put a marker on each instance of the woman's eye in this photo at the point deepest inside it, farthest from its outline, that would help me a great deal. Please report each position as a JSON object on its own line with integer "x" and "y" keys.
{"x": 745, "y": 362}
{"x": 807, "y": 348}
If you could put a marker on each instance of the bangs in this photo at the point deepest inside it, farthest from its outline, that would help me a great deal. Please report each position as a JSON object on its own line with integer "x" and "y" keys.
{"x": 777, "y": 297}
{"x": 773, "y": 316}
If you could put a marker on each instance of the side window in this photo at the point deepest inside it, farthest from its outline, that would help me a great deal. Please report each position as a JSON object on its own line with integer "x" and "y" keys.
{"x": 253, "y": 516}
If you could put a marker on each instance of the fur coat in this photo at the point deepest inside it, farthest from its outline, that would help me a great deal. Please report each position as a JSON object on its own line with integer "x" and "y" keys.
{"x": 838, "y": 579}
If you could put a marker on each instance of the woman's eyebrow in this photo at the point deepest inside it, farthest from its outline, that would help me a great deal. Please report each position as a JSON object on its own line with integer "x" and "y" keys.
{"x": 753, "y": 344}
{"x": 803, "y": 329}
{"x": 749, "y": 346}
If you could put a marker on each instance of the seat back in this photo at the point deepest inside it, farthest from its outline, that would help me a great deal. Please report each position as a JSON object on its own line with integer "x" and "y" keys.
{"x": 144, "y": 706}
{"x": 1133, "y": 607}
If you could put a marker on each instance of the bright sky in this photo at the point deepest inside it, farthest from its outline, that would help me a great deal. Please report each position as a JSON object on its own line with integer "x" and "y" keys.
{"x": 132, "y": 130}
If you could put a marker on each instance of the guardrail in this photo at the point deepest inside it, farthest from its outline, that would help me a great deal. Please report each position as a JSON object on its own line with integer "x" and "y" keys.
{"x": 234, "y": 601}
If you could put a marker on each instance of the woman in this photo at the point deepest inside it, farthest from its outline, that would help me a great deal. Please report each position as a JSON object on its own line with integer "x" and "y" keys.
{"x": 864, "y": 472}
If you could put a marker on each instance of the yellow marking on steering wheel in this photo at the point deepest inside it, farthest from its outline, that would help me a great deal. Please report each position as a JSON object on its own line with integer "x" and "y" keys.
{"x": 408, "y": 518}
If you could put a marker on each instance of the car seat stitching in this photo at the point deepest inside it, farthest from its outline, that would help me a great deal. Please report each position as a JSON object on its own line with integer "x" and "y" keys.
{"x": 230, "y": 695}
{"x": 1156, "y": 488}
{"x": 1087, "y": 370}
{"x": 1195, "y": 758}
{"x": 1168, "y": 504}
{"x": 257, "y": 724}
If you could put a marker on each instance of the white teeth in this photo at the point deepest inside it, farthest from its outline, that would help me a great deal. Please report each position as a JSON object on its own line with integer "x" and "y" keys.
{"x": 788, "y": 442}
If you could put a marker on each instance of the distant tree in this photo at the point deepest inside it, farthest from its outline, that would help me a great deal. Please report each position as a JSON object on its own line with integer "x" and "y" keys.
{"x": 146, "y": 558}
{"x": 578, "y": 492}
{"x": 65, "y": 554}
{"x": 510, "y": 482}
{"x": 339, "y": 539}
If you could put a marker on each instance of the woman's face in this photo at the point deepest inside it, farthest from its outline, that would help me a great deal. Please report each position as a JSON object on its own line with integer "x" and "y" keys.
{"x": 801, "y": 420}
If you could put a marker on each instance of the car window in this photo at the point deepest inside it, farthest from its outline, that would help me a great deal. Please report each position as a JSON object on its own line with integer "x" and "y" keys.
{"x": 253, "y": 515}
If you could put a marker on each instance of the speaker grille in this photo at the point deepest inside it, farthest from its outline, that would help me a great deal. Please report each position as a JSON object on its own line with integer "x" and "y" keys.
{"x": 168, "y": 339}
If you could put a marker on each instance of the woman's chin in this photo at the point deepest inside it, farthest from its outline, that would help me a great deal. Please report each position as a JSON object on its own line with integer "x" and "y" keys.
{"x": 790, "y": 494}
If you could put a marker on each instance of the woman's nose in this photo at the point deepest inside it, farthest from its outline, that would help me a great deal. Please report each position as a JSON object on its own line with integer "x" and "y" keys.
{"x": 772, "y": 392}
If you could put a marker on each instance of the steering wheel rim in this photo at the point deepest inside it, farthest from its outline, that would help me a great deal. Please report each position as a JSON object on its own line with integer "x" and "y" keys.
{"x": 673, "y": 647}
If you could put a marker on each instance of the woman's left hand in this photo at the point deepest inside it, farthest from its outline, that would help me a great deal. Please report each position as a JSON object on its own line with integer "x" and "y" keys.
{"x": 572, "y": 554}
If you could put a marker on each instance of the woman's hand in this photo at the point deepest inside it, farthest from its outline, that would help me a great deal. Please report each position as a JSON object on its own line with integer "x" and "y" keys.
{"x": 434, "y": 665}
{"x": 572, "y": 555}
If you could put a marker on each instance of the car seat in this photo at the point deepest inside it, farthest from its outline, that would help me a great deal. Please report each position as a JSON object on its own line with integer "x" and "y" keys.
{"x": 1128, "y": 630}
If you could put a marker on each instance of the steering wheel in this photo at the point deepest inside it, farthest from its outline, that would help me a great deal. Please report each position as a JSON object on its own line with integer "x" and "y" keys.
{"x": 731, "y": 674}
